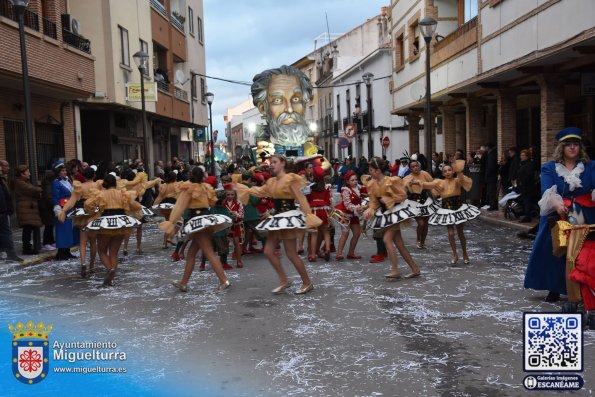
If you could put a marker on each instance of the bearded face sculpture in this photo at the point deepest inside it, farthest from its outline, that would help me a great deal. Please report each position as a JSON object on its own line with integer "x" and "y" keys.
{"x": 281, "y": 96}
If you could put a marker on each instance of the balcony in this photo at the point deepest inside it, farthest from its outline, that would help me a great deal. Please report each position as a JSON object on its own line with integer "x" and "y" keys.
{"x": 159, "y": 7}
{"x": 177, "y": 20}
{"x": 462, "y": 38}
{"x": 76, "y": 41}
{"x": 31, "y": 19}
{"x": 163, "y": 86}
{"x": 180, "y": 94}
{"x": 50, "y": 29}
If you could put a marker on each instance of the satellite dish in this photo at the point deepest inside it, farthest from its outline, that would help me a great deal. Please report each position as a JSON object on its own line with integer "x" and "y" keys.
{"x": 180, "y": 77}
{"x": 418, "y": 91}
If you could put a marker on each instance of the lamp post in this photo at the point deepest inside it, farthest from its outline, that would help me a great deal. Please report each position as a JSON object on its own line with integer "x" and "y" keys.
{"x": 368, "y": 77}
{"x": 141, "y": 59}
{"x": 428, "y": 26}
{"x": 19, "y": 7}
{"x": 209, "y": 96}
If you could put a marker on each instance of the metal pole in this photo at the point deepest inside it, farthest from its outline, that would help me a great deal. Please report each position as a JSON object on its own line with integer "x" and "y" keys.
{"x": 212, "y": 144}
{"x": 148, "y": 164}
{"x": 428, "y": 123}
{"x": 20, "y": 11}
{"x": 369, "y": 104}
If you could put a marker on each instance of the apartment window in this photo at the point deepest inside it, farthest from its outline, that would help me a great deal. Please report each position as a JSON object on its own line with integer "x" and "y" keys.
{"x": 191, "y": 20}
{"x": 193, "y": 86}
{"x": 399, "y": 50}
{"x": 339, "y": 108}
{"x": 413, "y": 41}
{"x": 145, "y": 48}
{"x": 202, "y": 90}
{"x": 124, "y": 49}
{"x": 348, "y": 104}
{"x": 199, "y": 30}
{"x": 469, "y": 9}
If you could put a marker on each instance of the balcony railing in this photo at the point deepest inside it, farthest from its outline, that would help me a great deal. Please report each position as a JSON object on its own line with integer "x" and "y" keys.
{"x": 157, "y": 5}
{"x": 76, "y": 41}
{"x": 49, "y": 29}
{"x": 460, "y": 40}
{"x": 177, "y": 22}
{"x": 31, "y": 19}
{"x": 462, "y": 30}
{"x": 163, "y": 86}
{"x": 180, "y": 94}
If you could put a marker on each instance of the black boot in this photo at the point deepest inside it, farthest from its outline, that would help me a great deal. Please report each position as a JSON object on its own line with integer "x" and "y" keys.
{"x": 29, "y": 250}
{"x": 63, "y": 254}
{"x": 552, "y": 297}
{"x": 12, "y": 256}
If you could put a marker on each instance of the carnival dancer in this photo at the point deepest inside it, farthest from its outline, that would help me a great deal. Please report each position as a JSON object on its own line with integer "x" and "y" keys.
{"x": 251, "y": 219}
{"x": 166, "y": 199}
{"x": 288, "y": 223}
{"x": 567, "y": 187}
{"x": 111, "y": 222}
{"x": 348, "y": 213}
{"x": 66, "y": 236}
{"x": 140, "y": 184}
{"x": 388, "y": 208}
{"x": 80, "y": 217}
{"x": 454, "y": 213}
{"x": 319, "y": 200}
{"x": 421, "y": 199}
{"x": 198, "y": 197}
{"x": 236, "y": 231}
{"x": 221, "y": 237}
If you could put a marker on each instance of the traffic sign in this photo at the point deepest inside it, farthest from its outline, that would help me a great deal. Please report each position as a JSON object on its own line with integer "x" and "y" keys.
{"x": 350, "y": 130}
{"x": 343, "y": 143}
{"x": 385, "y": 142}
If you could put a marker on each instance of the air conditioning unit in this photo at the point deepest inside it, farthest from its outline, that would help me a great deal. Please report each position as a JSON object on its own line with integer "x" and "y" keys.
{"x": 71, "y": 24}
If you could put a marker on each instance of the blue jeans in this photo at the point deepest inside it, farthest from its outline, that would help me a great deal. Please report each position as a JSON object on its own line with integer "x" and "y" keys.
{"x": 6, "y": 242}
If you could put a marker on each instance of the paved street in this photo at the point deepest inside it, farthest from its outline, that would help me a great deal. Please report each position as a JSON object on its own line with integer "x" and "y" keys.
{"x": 452, "y": 332}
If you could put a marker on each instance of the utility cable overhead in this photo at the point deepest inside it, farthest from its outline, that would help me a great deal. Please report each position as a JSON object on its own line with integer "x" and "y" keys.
{"x": 319, "y": 86}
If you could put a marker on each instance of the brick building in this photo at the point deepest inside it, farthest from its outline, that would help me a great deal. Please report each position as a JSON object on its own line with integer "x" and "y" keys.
{"x": 171, "y": 33}
{"x": 61, "y": 69}
{"x": 502, "y": 71}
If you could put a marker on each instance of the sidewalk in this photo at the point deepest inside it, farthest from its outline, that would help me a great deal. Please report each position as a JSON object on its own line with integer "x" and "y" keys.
{"x": 497, "y": 217}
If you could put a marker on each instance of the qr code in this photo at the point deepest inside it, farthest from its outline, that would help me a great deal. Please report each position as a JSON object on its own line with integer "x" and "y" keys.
{"x": 553, "y": 342}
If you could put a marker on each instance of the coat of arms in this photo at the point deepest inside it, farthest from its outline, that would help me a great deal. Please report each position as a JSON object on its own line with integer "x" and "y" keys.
{"x": 30, "y": 351}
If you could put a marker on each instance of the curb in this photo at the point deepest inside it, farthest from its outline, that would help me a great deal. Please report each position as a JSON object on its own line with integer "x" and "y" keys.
{"x": 505, "y": 222}
{"x": 45, "y": 257}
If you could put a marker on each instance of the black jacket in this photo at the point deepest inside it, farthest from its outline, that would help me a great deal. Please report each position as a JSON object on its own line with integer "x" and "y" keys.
{"x": 6, "y": 207}
{"x": 525, "y": 177}
{"x": 492, "y": 166}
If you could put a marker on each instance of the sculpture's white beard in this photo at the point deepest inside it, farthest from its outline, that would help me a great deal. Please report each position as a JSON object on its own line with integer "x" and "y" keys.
{"x": 293, "y": 134}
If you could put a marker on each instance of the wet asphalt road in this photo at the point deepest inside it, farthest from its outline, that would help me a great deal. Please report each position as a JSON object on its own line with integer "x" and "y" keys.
{"x": 455, "y": 331}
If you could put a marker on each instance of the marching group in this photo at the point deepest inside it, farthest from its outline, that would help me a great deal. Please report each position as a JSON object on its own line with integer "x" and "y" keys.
{"x": 283, "y": 201}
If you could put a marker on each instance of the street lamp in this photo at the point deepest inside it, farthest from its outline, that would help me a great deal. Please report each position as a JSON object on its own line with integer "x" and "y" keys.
{"x": 209, "y": 96}
{"x": 141, "y": 59}
{"x": 428, "y": 26}
{"x": 19, "y": 7}
{"x": 368, "y": 77}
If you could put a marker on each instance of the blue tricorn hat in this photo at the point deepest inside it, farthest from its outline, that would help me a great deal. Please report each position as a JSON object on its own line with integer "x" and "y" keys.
{"x": 569, "y": 133}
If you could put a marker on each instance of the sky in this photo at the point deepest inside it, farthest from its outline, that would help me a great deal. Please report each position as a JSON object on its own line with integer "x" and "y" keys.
{"x": 246, "y": 37}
